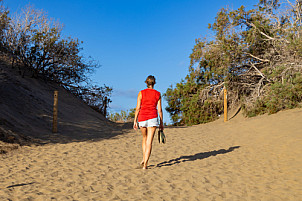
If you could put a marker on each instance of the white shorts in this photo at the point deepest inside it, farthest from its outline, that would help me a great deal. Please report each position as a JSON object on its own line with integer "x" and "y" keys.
{"x": 149, "y": 123}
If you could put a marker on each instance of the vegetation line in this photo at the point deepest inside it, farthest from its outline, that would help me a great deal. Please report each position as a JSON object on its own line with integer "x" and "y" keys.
{"x": 34, "y": 45}
{"x": 255, "y": 53}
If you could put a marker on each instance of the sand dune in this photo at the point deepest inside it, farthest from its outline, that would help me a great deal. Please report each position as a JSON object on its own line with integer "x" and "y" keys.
{"x": 26, "y": 106}
{"x": 244, "y": 159}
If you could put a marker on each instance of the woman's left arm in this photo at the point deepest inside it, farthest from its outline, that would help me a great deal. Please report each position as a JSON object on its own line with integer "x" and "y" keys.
{"x": 160, "y": 113}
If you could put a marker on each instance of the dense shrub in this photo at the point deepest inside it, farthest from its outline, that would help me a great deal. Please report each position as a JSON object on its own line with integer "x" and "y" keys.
{"x": 255, "y": 54}
{"x": 123, "y": 116}
{"x": 280, "y": 96}
{"x": 35, "y": 45}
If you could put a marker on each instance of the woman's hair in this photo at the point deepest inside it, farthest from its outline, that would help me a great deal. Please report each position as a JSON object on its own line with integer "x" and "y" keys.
{"x": 150, "y": 80}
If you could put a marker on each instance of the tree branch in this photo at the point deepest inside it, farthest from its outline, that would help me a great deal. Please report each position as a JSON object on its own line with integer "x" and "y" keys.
{"x": 262, "y": 33}
{"x": 263, "y": 60}
{"x": 257, "y": 70}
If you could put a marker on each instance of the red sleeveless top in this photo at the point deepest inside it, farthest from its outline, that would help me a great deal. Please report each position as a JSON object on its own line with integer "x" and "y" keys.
{"x": 149, "y": 101}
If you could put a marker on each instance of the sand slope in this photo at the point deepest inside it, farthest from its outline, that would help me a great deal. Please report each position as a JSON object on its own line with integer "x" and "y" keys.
{"x": 26, "y": 109}
{"x": 244, "y": 159}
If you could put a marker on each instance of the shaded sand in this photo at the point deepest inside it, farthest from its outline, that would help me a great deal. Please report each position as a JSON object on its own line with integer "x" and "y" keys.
{"x": 244, "y": 159}
{"x": 26, "y": 113}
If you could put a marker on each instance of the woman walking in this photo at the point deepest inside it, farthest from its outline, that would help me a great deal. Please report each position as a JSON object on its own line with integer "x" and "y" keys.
{"x": 147, "y": 110}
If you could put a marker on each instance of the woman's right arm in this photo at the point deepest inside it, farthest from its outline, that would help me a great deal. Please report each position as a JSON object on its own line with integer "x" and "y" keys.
{"x": 138, "y": 106}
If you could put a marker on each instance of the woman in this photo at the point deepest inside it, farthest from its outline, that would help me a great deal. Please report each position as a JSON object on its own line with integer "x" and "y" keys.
{"x": 146, "y": 115}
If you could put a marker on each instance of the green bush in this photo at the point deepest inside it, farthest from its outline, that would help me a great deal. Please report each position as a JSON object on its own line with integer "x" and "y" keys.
{"x": 257, "y": 59}
{"x": 123, "y": 116}
{"x": 279, "y": 97}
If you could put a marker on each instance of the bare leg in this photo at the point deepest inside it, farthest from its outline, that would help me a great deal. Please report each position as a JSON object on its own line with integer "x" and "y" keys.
{"x": 148, "y": 148}
{"x": 144, "y": 134}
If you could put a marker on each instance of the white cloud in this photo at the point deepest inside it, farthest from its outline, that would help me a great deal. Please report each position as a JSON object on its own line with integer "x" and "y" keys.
{"x": 128, "y": 93}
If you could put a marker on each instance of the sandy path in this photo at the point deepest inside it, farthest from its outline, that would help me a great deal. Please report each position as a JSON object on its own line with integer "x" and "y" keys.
{"x": 244, "y": 159}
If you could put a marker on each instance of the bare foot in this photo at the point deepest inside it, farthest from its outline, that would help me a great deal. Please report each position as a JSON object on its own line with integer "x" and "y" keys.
{"x": 145, "y": 167}
{"x": 142, "y": 164}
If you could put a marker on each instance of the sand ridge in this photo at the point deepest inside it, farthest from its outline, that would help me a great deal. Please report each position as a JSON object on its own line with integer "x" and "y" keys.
{"x": 244, "y": 159}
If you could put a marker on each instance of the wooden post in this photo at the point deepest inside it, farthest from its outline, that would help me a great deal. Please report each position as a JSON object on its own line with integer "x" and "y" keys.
{"x": 105, "y": 107}
{"x": 55, "y": 113}
{"x": 225, "y": 104}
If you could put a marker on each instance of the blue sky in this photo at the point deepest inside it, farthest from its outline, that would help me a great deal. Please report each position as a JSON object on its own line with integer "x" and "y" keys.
{"x": 132, "y": 39}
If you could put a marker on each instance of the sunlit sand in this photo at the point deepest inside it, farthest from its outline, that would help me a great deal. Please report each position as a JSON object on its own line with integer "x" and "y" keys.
{"x": 244, "y": 159}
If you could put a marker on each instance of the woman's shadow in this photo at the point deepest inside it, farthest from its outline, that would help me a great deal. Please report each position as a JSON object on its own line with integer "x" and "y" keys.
{"x": 194, "y": 157}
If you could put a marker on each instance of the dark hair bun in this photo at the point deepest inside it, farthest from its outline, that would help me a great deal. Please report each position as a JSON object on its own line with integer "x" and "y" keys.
{"x": 150, "y": 80}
